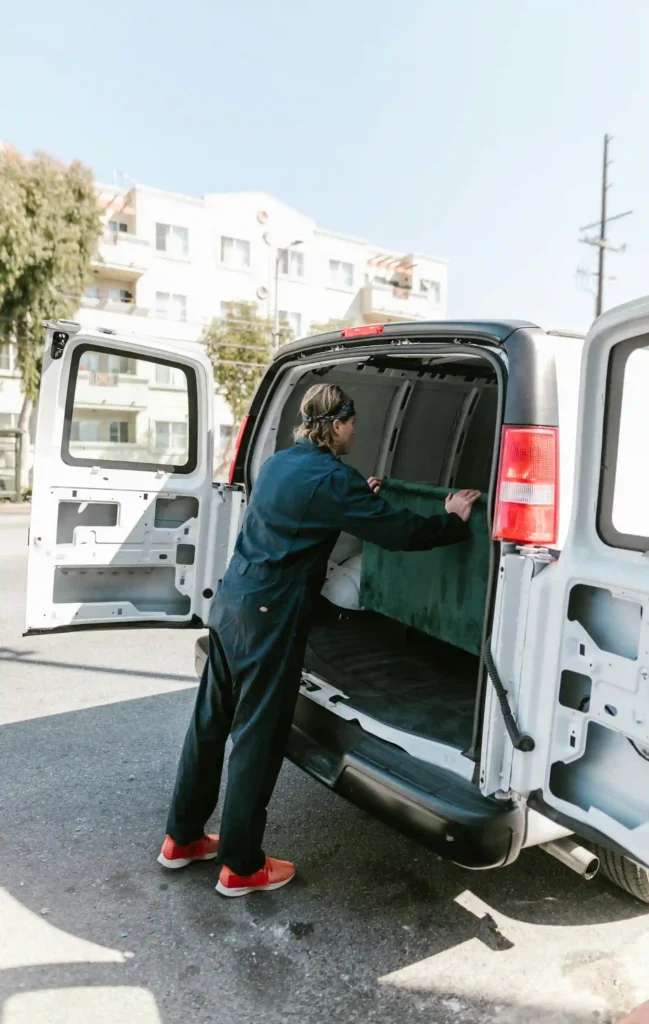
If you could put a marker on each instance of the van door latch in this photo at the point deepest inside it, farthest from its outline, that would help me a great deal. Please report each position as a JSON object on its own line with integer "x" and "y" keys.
{"x": 59, "y": 341}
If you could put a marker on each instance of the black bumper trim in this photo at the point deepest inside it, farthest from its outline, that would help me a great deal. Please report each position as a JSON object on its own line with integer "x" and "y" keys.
{"x": 432, "y": 805}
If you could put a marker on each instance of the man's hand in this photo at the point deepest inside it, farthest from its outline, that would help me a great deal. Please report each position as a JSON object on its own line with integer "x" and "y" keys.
{"x": 462, "y": 503}
{"x": 374, "y": 484}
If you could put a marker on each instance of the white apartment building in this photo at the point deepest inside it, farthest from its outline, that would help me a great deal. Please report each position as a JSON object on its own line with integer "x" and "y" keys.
{"x": 168, "y": 264}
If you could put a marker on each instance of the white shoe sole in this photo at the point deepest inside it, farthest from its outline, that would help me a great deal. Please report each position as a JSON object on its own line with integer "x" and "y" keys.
{"x": 245, "y": 889}
{"x": 182, "y": 862}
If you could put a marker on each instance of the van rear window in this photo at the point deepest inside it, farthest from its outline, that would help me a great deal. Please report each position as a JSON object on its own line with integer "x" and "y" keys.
{"x": 624, "y": 494}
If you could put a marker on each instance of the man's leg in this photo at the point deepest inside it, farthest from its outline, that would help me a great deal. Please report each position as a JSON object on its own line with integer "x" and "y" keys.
{"x": 201, "y": 762}
{"x": 260, "y": 730}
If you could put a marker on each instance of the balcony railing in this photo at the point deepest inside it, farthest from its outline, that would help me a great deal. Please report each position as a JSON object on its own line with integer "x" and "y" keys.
{"x": 126, "y": 255}
{"x": 102, "y": 379}
{"x": 117, "y": 237}
{"x": 113, "y": 305}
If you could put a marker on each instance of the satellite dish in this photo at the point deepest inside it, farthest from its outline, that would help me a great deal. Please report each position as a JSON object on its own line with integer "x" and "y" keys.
{"x": 262, "y": 292}
{"x": 262, "y": 216}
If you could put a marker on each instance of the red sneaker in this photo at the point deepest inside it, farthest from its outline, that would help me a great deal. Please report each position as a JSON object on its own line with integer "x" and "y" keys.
{"x": 273, "y": 875}
{"x": 174, "y": 856}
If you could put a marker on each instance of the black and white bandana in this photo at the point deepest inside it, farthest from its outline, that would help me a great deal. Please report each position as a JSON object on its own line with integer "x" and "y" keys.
{"x": 343, "y": 413}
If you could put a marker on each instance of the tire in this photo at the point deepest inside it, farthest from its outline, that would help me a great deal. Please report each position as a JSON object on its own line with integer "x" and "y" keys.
{"x": 624, "y": 873}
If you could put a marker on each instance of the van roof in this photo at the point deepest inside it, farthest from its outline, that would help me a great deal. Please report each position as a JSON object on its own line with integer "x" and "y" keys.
{"x": 495, "y": 331}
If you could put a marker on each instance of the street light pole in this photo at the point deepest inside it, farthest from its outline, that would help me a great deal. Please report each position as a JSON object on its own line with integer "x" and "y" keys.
{"x": 280, "y": 253}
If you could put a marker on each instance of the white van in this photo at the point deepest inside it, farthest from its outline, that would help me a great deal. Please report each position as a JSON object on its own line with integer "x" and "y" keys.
{"x": 484, "y": 698}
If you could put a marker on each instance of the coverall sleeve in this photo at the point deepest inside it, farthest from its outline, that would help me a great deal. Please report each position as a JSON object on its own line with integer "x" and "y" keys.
{"x": 370, "y": 517}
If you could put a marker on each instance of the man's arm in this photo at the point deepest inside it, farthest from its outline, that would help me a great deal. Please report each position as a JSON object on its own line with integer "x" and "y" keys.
{"x": 365, "y": 514}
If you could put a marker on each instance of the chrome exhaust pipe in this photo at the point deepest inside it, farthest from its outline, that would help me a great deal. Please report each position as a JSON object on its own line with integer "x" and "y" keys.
{"x": 574, "y": 856}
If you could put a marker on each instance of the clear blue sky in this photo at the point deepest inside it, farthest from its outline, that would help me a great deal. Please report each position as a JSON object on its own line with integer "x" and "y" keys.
{"x": 469, "y": 129}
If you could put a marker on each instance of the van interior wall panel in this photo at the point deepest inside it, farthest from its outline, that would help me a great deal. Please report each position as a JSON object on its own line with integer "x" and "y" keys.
{"x": 148, "y": 589}
{"x": 441, "y": 592}
{"x": 72, "y": 514}
{"x": 372, "y": 394}
{"x": 429, "y": 423}
{"x": 476, "y": 452}
{"x": 420, "y": 452}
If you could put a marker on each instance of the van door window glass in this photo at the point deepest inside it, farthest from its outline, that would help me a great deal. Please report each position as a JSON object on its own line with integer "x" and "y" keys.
{"x": 624, "y": 506}
{"x": 117, "y": 412}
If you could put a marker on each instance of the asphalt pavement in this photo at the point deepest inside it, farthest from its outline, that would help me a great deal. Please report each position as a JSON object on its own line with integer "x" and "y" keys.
{"x": 374, "y": 929}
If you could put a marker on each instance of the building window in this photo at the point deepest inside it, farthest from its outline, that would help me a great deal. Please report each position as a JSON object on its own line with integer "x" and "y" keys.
{"x": 118, "y": 432}
{"x": 169, "y": 376}
{"x": 341, "y": 275}
{"x": 430, "y": 288}
{"x": 122, "y": 364}
{"x": 6, "y": 357}
{"x": 291, "y": 262}
{"x": 120, "y": 295}
{"x": 170, "y": 437}
{"x": 235, "y": 253}
{"x": 173, "y": 240}
{"x": 104, "y": 363}
{"x": 291, "y": 320}
{"x": 85, "y": 431}
{"x": 93, "y": 293}
{"x": 118, "y": 226}
{"x": 170, "y": 306}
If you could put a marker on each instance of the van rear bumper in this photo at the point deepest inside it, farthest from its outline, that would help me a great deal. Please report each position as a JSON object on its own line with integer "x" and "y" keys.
{"x": 431, "y": 805}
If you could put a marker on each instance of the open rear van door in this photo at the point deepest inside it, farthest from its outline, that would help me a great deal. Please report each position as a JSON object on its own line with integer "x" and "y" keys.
{"x": 583, "y": 694}
{"x": 127, "y": 526}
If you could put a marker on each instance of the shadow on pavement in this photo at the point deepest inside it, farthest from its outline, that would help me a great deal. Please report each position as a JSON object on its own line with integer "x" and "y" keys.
{"x": 9, "y": 654}
{"x": 85, "y": 797}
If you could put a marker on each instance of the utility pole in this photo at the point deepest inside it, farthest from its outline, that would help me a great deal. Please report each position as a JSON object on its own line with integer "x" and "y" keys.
{"x": 600, "y": 240}
{"x": 602, "y": 232}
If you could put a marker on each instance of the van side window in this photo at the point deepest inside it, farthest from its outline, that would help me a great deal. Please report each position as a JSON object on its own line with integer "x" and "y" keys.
{"x": 129, "y": 413}
{"x": 624, "y": 492}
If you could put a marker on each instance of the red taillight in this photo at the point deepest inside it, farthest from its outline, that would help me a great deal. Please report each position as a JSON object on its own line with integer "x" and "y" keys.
{"x": 527, "y": 508}
{"x": 233, "y": 464}
{"x": 361, "y": 332}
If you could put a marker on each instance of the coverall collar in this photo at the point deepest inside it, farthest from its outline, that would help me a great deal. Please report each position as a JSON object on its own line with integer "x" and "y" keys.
{"x": 310, "y": 446}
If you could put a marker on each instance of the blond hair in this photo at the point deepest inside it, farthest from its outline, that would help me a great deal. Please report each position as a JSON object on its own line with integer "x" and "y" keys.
{"x": 320, "y": 400}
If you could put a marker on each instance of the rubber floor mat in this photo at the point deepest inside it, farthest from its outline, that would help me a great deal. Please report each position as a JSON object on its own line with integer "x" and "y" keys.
{"x": 399, "y": 676}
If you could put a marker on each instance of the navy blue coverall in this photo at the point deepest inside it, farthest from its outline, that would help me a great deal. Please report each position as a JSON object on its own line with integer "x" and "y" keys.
{"x": 259, "y": 620}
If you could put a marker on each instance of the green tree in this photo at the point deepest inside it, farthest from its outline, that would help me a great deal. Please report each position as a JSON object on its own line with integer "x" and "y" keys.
{"x": 240, "y": 346}
{"x": 49, "y": 226}
{"x": 328, "y": 325}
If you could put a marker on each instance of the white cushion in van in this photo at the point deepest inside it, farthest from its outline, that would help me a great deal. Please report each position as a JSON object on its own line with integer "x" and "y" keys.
{"x": 343, "y": 584}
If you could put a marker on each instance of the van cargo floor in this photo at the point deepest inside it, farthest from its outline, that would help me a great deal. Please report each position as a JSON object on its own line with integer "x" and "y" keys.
{"x": 397, "y": 675}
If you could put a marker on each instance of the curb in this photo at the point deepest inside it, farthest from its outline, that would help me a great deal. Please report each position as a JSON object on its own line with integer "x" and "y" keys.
{"x": 9, "y": 508}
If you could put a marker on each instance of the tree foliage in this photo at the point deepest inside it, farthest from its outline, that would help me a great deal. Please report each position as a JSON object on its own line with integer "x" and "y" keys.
{"x": 49, "y": 227}
{"x": 240, "y": 346}
{"x": 328, "y": 325}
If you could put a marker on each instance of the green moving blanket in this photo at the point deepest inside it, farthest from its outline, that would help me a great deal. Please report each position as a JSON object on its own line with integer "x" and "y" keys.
{"x": 441, "y": 592}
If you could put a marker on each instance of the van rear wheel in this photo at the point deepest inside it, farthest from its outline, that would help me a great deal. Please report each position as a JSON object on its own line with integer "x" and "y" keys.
{"x": 624, "y": 873}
